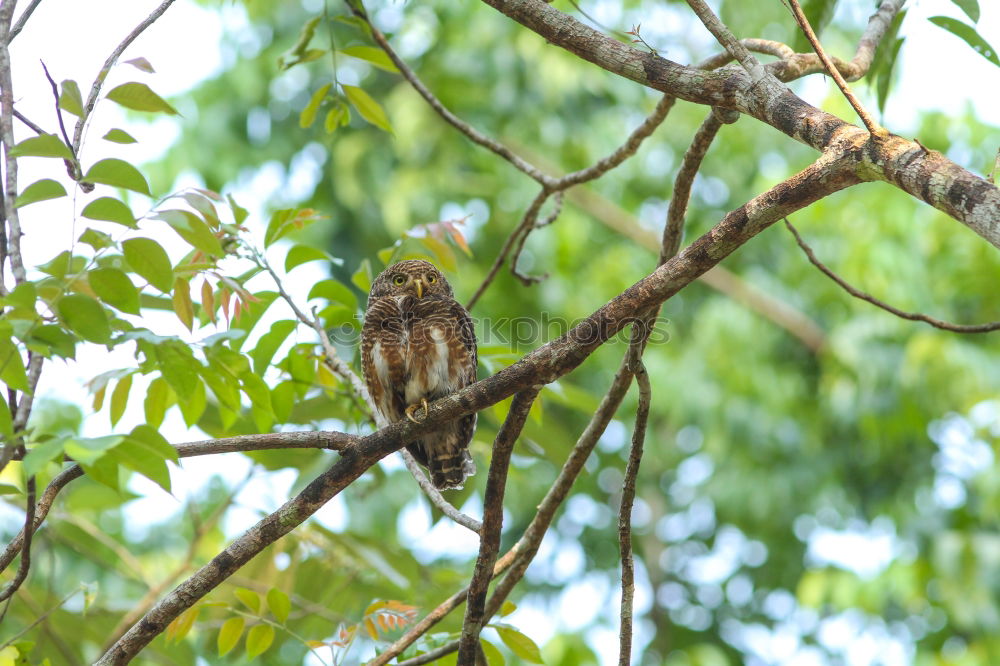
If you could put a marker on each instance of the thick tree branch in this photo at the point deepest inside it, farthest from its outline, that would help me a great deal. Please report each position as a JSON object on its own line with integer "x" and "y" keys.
{"x": 489, "y": 537}
{"x": 857, "y": 293}
{"x": 926, "y": 175}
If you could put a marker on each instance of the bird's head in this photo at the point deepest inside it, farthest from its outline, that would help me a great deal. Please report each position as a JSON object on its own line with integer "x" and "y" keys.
{"x": 411, "y": 277}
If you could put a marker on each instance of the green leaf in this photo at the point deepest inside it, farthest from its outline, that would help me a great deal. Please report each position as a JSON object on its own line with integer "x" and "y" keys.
{"x": 141, "y": 64}
{"x": 135, "y": 456}
{"x": 119, "y": 136}
{"x": 300, "y": 51}
{"x": 96, "y": 239}
{"x": 157, "y": 400}
{"x": 88, "y": 450}
{"x": 507, "y": 608}
{"x": 334, "y": 291}
{"x": 279, "y": 604}
{"x": 338, "y": 116}
{"x": 23, "y": 295}
{"x": 300, "y": 254}
{"x": 41, "y": 454}
{"x": 85, "y": 317}
{"x": 969, "y": 35}
{"x": 372, "y": 55}
{"x": 180, "y": 627}
{"x": 308, "y": 115}
{"x": 6, "y": 422}
{"x": 369, "y": 109}
{"x": 62, "y": 343}
{"x": 520, "y": 645}
{"x": 239, "y": 213}
{"x": 114, "y": 288}
{"x": 70, "y": 98}
{"x": 268, "y": 344}
{"x": 192, "y": 229}
{"x": 259, "y": 638}
{"x": 12, "y": 366}
{"x": 151, "y": 439}
{"x": 149, "y": 260}
{"x": 249, "y": 319}
{"x": 362, "y": 277}
{"x": 493, "y": 656}
{"x": 110, "y": 209}
{"x": 139, "y": 97}
{"x": 179, "y": 367}
{"x": 193, "y": 404}
{"x": 970, "y": 7}
{"x": 229, "y": 634}
{"x": 43, "y": 145}
{"x": 118, "y": 173}
{"x": 119, "y": 398}
{"x": 819, "y": 13}
{"x": 41, "y": 190}
{"x": 249, "y": 598}
{"x": 284, "y": 222}
{"x": 182, "y": 302}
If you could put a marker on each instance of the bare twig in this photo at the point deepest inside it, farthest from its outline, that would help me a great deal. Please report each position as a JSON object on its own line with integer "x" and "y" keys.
{"x": 765, "y": 46}
{"x": 800, "y": 17}
{"x": 27, "y": 121}
{"x": 59, "y": 117}
{"x": 29, "y": 520}
{"x": 435, "y": 496}
{"x": 728, "y": 40}
{"x": 625, "y": 515}
{"x": 7, "y": 138}
{"x": 523, "y": 228}
{"x": 673, "y": 229}
{"x": 857, "y": 293}
{"x": 489, "y": 536}
{"x": 878, "y": 24}
{"x": 22, "y": 19}
{"x": 95, "y": 88}
{"x": 472, "y": 133}
{"x": 41, "y": 618}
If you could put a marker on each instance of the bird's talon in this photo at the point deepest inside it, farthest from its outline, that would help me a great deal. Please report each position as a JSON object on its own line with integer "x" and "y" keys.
{"x": 413, "y": 408}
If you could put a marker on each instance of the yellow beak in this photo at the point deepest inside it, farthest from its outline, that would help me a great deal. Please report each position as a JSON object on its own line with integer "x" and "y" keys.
{"x": 419, "y": 284}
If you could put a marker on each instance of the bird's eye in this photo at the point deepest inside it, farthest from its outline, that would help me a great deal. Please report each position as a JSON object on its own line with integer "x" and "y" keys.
{"x": 399, "y": 279}
{"x": 431, "y": 279}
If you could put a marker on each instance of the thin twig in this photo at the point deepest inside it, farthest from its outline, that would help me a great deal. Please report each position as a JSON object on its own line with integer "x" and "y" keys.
{"x": 765, "y": 46}
{"x": 472, "y": 133}
{"x": 55, "y": 94}
{"x": 857, "y": 293}
{"x": 95, "y": 88}
{"x": 673, "y": 229}
{"x": 800, "y": 17}
{"x": 41, "y": 618}
{"x": 489, "y": 536}
{"x": 435, "y": 496}
{"x": 527, "y": 221}
{"x": 728, "y": 40}
{"x": 22, "y": 19}
{"x": 625, "y": 514}
{"x": 7, "y": 138}
{"x": 27, "y": 121}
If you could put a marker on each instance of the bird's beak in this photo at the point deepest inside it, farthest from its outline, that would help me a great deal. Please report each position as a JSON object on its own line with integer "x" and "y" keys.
{"x": 419, "y": 284}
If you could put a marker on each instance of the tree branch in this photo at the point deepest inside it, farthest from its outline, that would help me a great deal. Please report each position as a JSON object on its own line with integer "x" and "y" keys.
{"x": 22, "y": 19}
{"x": 489, "y": 537}
{"x": 625, "y": 514}
{"x": 95, "y": 88}
{"x": 334, "y": 441}
{"x": 435, "y": 496}
{"x": 800, "y": 18}
{"x": 29, "y": 519}
{"x": 857, "y": 293}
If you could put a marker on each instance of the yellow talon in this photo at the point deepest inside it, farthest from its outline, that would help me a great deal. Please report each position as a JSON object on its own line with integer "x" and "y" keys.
{"x": 412, "y": 408}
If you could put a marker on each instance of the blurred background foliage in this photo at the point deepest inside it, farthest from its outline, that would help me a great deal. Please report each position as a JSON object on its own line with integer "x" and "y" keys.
{"x": 825, "y": 504}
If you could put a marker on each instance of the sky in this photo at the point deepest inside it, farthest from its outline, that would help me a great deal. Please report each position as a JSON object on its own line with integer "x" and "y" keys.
{"x": 937, "y": 71}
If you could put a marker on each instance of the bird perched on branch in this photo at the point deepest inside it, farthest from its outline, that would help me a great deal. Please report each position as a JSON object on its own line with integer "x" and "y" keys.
{"x": 417, "y": 345}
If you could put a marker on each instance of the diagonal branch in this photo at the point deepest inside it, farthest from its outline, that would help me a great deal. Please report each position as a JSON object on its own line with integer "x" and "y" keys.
{"x": 857, "y": 293}
{"x": 22, "y": 19}
{"x": 489, "y": 537}
{"x": 544, "y": 365}
{"x": 800, "y": 18}
{"x": 435, "y": 496}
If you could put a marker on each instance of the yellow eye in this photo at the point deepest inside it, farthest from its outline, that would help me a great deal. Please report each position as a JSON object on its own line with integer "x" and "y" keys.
{"x": 431, "y": 279}
{"x": 399, "y": 279}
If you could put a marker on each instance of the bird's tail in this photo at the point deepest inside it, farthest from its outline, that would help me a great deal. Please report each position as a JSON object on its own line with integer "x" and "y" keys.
{"x": 450, "y": 469}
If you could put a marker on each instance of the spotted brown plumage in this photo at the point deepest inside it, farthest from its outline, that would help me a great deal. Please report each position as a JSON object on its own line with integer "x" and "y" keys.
{"x": 417, "y": 345}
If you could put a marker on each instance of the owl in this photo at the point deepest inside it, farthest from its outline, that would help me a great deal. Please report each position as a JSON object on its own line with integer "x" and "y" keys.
{"x": 417, "y": 345}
